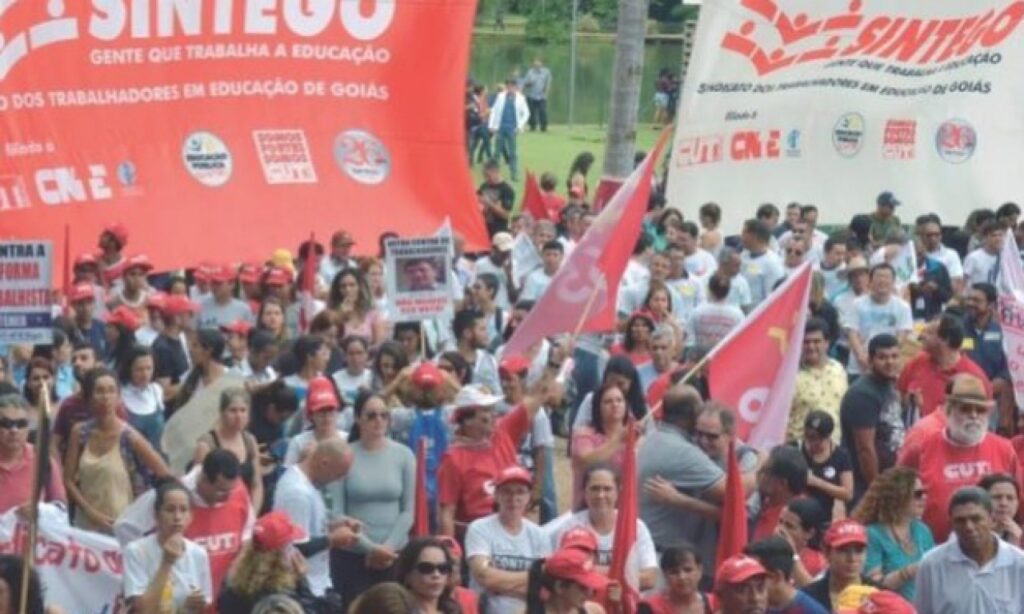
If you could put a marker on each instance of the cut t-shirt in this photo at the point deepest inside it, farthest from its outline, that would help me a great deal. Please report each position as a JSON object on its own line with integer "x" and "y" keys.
{"x": 487, "y": 537}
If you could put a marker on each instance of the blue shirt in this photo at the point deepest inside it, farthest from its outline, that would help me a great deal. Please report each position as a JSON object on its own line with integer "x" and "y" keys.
{"x": 801, "y": 604}
{"x": 985, "y": 347}
{"x": 885, "y": 553}
{"x": 508, "y": 121}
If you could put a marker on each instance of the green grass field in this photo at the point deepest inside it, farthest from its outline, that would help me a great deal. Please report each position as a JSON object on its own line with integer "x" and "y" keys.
{"x": 555, "y": 150}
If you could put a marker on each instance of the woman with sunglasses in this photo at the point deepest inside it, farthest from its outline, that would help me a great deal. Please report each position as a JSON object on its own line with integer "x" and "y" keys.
{"x": 1005, "y": 493}
{"x": 897, "y": 539}
{"x": 425, "y": 567}
{"x": 380, "y": 495}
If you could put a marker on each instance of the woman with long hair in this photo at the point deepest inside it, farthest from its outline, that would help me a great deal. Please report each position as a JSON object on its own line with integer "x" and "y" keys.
{"x": 455, "y": 365}
{"x": 206, "y": 348}
{"x": 897, "y": 539}
{"x": 142, "y": 397}
{"x": 381, "y": 496}
{"x": 424, "y": 568}
{"x": 598, "y": 514}
{"x": 39, "y": 373}
{"x": 164, "y": 572}
{"x": 564, "y": 584}
{"x": 387, "y": 364}
{"x": 621, "y": 372}
{"x": 1005, "y": 493}
{"x": 604, "y": 441}
{"x": 270, "y": 318}
{"x": 658, "y": 303}
{"x": 121, "y": 325}
{"x": 802, "y": 523}
{"x": 636, "y": 338}
{"x": 682, "y": 568}
{"x": 311, "y": 357}
{"x": 230, "y": 434}
{"x": 373, "y": 271}
{"x": 108, "y": 463}
{"x": 350, "y": 297}
{"x": 321, "y": 414}
{"x": 266, "y": 566}
{"x": 578, "y": 172}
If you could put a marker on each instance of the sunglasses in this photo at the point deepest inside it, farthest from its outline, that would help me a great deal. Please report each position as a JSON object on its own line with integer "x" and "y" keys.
{"x": 920, "y": 494}
{"x": 8, "y": 424}
{"x": 426, "y": 569}
{"x": 375, "y": 415}
{"x": 707, "y": 435}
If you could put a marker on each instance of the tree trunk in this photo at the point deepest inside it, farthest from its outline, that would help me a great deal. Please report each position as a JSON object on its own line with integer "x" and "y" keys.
{"x": 625, "y": 102}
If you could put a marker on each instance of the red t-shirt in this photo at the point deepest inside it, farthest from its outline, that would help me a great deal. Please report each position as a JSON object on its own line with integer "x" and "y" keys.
{"x": 660, "y": 604}
{"x": 945, "y": 468}
{"x": 923, "y": 375}
{"x": 465, "y": 478}
{"x": 219, "y": 530}
{"x": 813, "y": 561}
{"x": 16, "y": 481}
{"x": 466, "y": 599}
{"x": 931, "y": 424}
{"x": 767, "y": 520}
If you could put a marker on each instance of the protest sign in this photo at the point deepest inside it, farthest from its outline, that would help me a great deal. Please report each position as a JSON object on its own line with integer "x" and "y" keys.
{"x": 26, "y": 276}
{"x": 81, "y": 570}
{"x": 832, "y": 103}
{"x": 524, "y": 258}
{"x": 1011, "y": 318}
{"x": 194, "y": 120}
{"x": 418, "y": 282}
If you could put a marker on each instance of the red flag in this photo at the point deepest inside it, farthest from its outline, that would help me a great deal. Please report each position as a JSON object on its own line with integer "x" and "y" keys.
{"x": 307, "y": 306}
{"x": 623, "y": 564}
{"x": 761, "y": 391}
{"x": 581, "y": 297}
{"x": 534, "y": 202}
{"x": 421, "y": 521}
{"x": 732, "y": 530}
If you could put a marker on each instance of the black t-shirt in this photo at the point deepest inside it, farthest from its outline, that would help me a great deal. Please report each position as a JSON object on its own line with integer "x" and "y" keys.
{"x": 503, "y": 194}
{"x": 829, "y": 471}
{"x": 169, "y": 359}
{"x": 872, "y": 403}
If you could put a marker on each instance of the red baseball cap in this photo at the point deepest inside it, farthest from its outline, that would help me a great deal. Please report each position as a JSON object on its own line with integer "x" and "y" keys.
{"x": 118, "y": 231}
{"x": 737, "y": 570}
{"x": 125, "y": 316}
{"x": 275, "y": 530}
{"x": 845, "y": 532}
{"x": 202, "y": 272}
{"x": 514, "y": 365}
{"x": 452, "y": 545}
{"x": 886, "y": 602}
{"x": 426, "y": 375}
{"x": 575, "y": 566}
{"x": 238, "y": 327}
{"x": 321, "y": 396}
{"x": 277, "y": 276}
{"x": 86, "y": 259}
{"x": 157, "y": 300}
{"x": 139, "y": 261}
{"x": 249, "y": 273}
{"x": 176, "y": 305}
{"x": 82, "y": 292}
{"x": 580, "y": 538}
{"x": 513, "y": 474}
{"x": 221, "y": 273}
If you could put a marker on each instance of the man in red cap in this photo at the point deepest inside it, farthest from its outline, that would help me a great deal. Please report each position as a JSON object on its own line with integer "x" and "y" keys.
{"x": 340, "y": 257}
{"x": 170, "y": 348}
{"x": 220, "y": 308}
{"x": 741, "y": 586}
{"x": 85, "y": 325}
{"x": 112, "y": 241}
{"x": 962, "y": 453}
{"x": 845, "y": 546}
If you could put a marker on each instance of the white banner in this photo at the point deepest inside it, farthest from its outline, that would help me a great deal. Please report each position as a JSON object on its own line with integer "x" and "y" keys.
{"x": 831, "y": 102}
{"x": 1011, "y": 318}
{"x": 418, "y": 279}
{"x": 80, "y": 571}
{"x": 524, "y": 258}
{"x": 26, "y": 297}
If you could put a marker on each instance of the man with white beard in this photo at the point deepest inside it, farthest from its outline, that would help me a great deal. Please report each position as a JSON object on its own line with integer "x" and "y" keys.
{"x": 961, "y": 454}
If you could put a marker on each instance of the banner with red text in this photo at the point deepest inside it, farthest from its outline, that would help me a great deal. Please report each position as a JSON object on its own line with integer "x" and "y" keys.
{"x": 831, "y": 102}
{"x": 80, "y": 571}
{"x": 1011, "y": 318}
{"x": 221, "y": 130}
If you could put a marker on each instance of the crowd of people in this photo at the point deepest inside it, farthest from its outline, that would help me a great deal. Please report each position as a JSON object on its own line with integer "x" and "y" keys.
{"x": 249, "y": 455}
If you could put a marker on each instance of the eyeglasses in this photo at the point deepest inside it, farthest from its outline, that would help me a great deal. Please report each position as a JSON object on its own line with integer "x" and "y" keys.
{"x": 377, "y": 415}
{"x": 707, "y": 435}
{"x": 8, "y": 424}
{"x": 425, "y": 569}
{"x": 920, "y": 493}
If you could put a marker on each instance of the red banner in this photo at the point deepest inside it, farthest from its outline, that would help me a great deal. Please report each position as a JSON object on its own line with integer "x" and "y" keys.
{"x": 219, "y": 130}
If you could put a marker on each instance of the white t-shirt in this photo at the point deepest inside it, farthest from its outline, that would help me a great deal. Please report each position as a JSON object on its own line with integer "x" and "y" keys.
{"x": 710, "y": 323}
{"x": 298, "y": 443}
{"x": 739, "y": 292}
{"x": 486, "y": 537}
{"x": 214, "y": 315}
{"x": 485, "y": 265}
{"x": 870, "y": 319}
{"x": 646, "y": 557}
{"x": 349, "y": 384}
{"x": 192, "y": 571}
{"x": 535, "y": 284}
{"x": 688, "y": 293}
{"x": 949, "y": 259}
{"x": 297, "y": 497}
{"x": 143, "y": 401}
{"x": 761, "y": 273}
{"x": 980, "y": 267}
{"x": 701, "y": 263}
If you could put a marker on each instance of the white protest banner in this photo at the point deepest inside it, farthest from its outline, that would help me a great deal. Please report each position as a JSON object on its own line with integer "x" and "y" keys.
{"x": 418, "y": 282}
{"x": 26, "y": 297}
{"x": 80, "y": 571}
{"x": 831, "y": 102}
{"x": 524, "y": 258}
{"x": 1011, "y": 318}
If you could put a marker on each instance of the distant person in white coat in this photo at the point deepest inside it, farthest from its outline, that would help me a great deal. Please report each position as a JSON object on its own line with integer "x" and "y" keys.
{"x": 509, "y": 116}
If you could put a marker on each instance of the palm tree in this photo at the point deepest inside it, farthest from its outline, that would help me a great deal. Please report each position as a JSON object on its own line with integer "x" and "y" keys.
{"x": 625, "y": 103}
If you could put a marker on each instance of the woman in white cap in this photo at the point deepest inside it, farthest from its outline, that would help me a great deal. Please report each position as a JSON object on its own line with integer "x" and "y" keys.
{"x": 501, "y": 547}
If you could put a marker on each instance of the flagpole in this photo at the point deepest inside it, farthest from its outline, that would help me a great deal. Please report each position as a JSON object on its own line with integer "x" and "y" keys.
{"x": 686, "y": 378}
{"x": 39, "y": 476}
